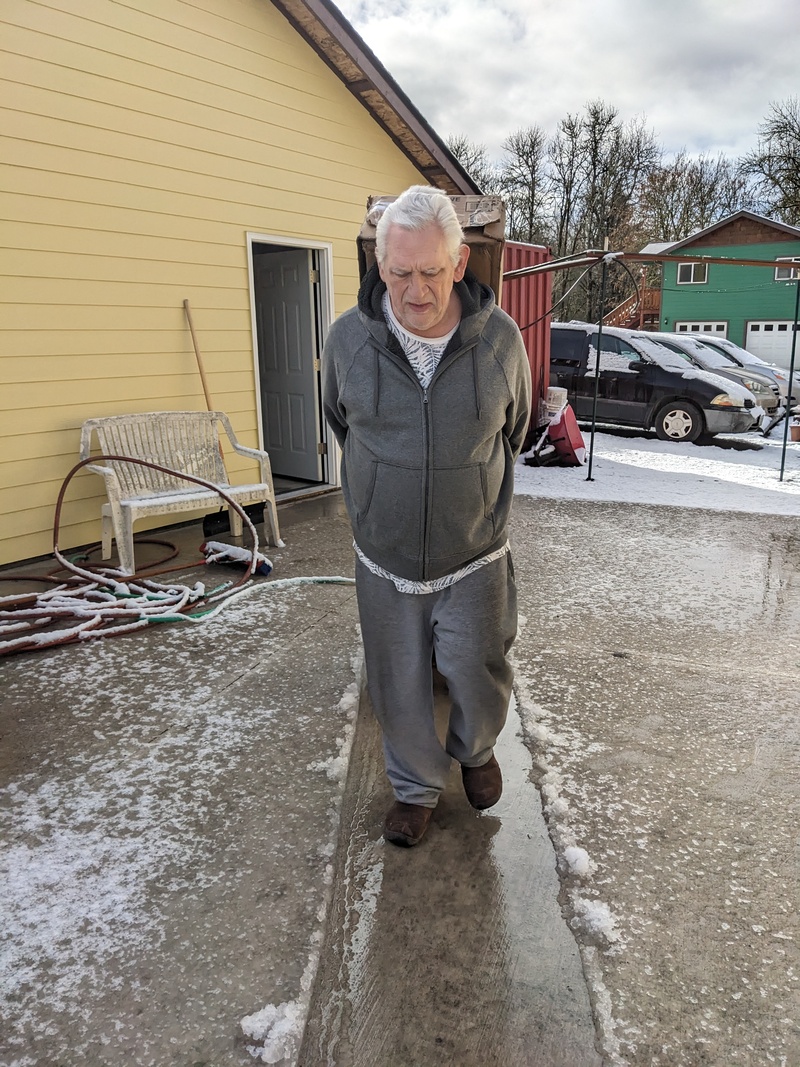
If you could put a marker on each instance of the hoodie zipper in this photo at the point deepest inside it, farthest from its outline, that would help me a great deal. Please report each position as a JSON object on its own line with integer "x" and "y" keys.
{"x": 427, "y": 443}
{"x": 428, "y": 446}
{"x": 427, "y": 489}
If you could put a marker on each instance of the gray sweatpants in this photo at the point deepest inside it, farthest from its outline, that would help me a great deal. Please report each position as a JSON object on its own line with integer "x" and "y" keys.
{"x": 470, "y": 626}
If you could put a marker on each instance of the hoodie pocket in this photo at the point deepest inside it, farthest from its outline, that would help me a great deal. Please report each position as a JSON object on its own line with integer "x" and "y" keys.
{"x": 462, "y": 523}
{"x": 388, "y": 503}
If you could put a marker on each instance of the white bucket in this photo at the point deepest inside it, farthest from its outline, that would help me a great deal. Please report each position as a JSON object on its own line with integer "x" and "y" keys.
{"x": 555, "y": 399}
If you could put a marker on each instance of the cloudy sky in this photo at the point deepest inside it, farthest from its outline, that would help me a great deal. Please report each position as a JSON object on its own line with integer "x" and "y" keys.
{"x": 702, "y": 73}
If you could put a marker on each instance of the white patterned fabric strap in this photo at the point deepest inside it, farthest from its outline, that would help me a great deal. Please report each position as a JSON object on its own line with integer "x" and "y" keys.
{"x": 422, "y": 353}
{"x": 435, "y": 585}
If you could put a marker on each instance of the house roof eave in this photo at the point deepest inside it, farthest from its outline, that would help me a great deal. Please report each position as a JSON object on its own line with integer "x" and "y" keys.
{"x": 332, "y": 37}
{"x": 700, "y": 234}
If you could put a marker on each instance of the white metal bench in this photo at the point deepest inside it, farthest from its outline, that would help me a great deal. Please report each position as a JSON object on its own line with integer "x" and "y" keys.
{"x": 185, "y": 441}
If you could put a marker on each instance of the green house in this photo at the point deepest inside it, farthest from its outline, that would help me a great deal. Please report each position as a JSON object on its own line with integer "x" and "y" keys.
{"x": 751, "y": 305}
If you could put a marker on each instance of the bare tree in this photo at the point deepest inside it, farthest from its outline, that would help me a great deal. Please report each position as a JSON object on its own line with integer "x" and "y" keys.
{"x": 688, "y": 194}
{"x": 474, "y": 158}
{"x": 598, "y": 164}
{"x": 523, "y": 183}
{"x": 600, "y": 178}
{"x": 565, "y": 197}
{"x": 565, "y": 183}
{"x": 774, "y": 166}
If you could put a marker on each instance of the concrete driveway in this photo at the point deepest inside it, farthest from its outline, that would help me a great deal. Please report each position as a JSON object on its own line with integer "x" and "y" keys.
{"x": 659, "y": 682}
{"x": 183, "y": 849}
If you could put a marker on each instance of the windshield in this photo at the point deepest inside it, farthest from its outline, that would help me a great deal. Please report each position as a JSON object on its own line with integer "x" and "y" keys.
{"x": 664, "y": 357}
{"x": 669, "y": 360}
{"x": 692, "y": 348}
{"x": 712, "y": 357}
{"x": 737, "y": 354}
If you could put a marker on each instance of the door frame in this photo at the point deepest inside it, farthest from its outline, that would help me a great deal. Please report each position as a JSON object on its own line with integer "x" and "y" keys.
{"x": 324, "y": 318}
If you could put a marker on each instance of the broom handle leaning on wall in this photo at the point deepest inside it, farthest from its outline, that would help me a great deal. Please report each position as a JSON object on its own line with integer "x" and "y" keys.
{"x": 198, "y": 357}
{"x": 201, "y": 368}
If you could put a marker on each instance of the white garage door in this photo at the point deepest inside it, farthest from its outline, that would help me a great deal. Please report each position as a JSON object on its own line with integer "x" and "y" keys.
{"x": 719, "y": 328}
{"x": 771, "y": 339}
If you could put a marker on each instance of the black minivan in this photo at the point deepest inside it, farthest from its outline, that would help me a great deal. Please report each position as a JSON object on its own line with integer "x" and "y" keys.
{"x": 641, "y": 383}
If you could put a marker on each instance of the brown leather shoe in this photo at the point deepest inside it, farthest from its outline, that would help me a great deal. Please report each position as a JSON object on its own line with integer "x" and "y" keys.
{"x": 405, "y": 824}
{"x": 483, "y": 785}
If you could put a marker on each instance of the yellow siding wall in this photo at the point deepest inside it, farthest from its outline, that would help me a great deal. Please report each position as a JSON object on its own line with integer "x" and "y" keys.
{"x": 140, "y": 140}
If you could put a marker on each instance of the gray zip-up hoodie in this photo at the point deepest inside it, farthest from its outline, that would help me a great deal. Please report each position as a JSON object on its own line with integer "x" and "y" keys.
{"x": 427, "y": 474}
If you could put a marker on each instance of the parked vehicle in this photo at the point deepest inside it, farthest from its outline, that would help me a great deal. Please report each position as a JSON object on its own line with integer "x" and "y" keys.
{"x": 641, "y": 383}
{"x": 743, "y": 358}
{"x": 699, "y": 354}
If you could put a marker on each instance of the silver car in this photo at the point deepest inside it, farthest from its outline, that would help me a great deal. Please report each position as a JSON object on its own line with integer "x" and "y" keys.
{"x": 764, "y": 388}
{"x": 742, "y": 358}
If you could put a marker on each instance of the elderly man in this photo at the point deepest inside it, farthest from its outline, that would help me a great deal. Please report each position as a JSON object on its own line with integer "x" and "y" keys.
{"x": 426, "y": 386}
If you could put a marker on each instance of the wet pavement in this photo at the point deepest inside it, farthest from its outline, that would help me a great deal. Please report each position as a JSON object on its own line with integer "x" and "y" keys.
{"x": 185, "y": 844}
{"x": 659, "y": 691}
{"x": 454, "y": 952}
{"x": 169, "y": 809}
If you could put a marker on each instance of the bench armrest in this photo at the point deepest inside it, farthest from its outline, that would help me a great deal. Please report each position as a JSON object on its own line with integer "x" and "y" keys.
{"x": 253, "y": 453}
{"x": 108, "y": 474}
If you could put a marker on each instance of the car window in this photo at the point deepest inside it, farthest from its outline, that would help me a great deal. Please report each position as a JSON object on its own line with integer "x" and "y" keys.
{"x": 659, "y": 354}
{"x": 672, "y": 347}
{"x": 740, "y": 356}
{"x": 566, "y": 346}
{"x": 615, "y": 354}
{"x": 626, "y": 350}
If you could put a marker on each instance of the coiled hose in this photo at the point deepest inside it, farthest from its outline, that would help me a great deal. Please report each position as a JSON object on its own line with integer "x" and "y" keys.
{"x": 106, "y": 603}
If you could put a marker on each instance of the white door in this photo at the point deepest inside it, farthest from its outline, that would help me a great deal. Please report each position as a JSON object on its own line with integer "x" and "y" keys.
{"x": 287, "y": 362}
{"x": 771, "y": 339}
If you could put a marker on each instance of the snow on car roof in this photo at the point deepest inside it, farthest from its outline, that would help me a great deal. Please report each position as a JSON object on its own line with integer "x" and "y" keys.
{"x": 658, "y": 354}
{"x": 669, "y": 360}
{"x": 712, "y": 356}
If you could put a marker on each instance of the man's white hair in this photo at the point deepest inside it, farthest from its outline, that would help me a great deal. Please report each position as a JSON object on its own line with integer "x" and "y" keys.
{"x": 416, "y": 208}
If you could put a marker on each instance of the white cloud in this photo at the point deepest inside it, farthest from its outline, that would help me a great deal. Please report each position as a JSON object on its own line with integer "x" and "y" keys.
{"x": 701, "y": 72}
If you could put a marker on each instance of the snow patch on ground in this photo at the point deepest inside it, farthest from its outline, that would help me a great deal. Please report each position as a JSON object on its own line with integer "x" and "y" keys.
{"x": 594, "y": 924}
{"x": 648, "y": 471}
{"x": 594, "y": 920}
{"x": 277, "y": 1029}
{"x": 95, "y": 837}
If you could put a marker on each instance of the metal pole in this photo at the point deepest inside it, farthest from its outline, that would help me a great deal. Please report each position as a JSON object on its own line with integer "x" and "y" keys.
{"x": 603, "y": 271}
{"x": 791, "y": 375}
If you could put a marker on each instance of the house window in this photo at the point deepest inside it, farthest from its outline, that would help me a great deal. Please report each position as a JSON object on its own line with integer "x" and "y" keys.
{"x": 787, "y": 274}
{"x": 692, "y": 273}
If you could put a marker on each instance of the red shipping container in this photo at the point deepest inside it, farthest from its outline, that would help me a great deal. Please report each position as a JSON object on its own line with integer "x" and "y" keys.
{"x": 527, "y": 300}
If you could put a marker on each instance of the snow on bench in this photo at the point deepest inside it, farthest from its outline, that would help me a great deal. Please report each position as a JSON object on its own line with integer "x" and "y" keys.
{"x": 184, "y": 441}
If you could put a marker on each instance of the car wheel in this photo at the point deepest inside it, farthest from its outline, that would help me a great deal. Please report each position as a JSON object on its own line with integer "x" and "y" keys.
{"x": 679, "y": 421}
